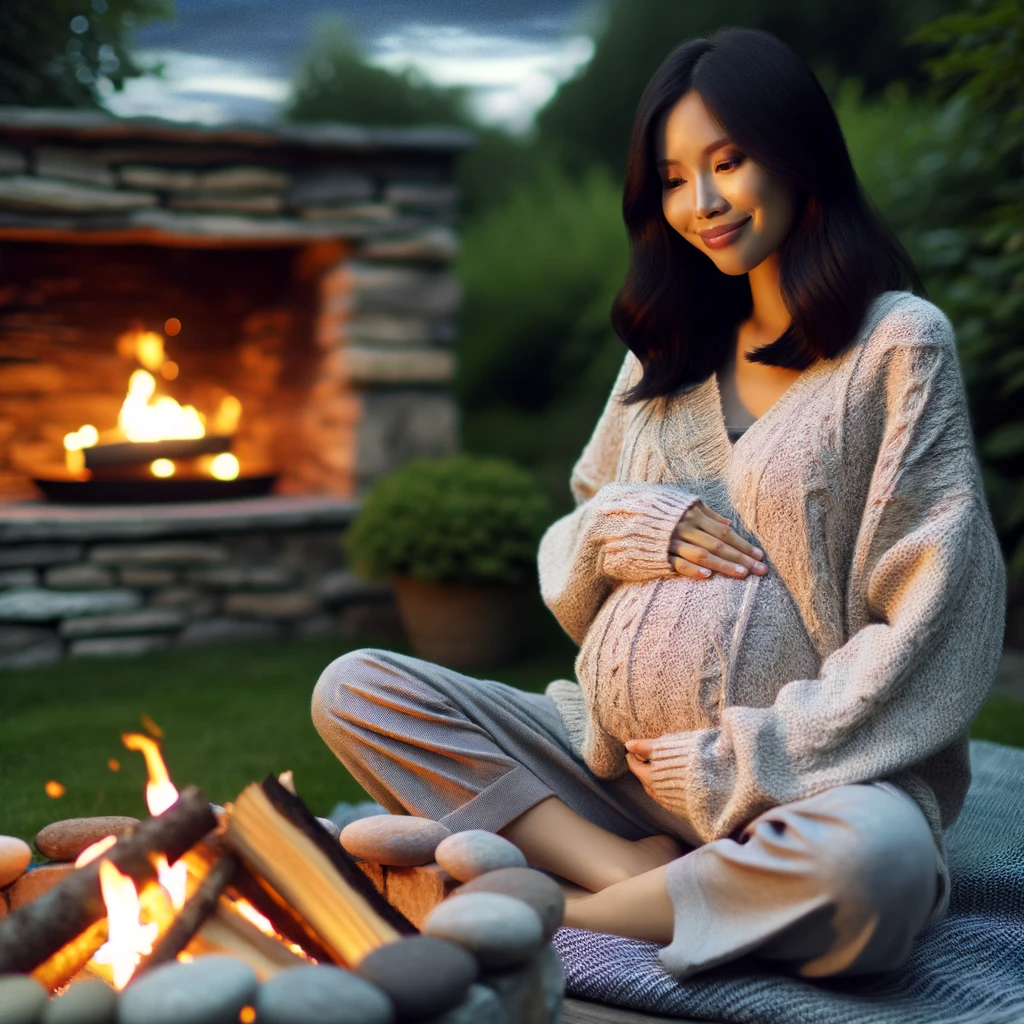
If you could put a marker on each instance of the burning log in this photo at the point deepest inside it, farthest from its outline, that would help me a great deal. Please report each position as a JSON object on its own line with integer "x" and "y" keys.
{"x": 139, "y": 453}
{"x": 34, "y": 933}
{"x": 192, "y": 916}
{"x": 287, "y": 849}
{"x": 280, "y": 916}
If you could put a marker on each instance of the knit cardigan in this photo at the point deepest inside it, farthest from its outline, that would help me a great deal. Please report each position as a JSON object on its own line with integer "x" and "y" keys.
{"x": 872, "y": 641}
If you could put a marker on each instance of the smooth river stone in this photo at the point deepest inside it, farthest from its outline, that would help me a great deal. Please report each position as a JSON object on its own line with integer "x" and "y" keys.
{"x": 15, "y": 857}
{"x": 422, "y": 975}
{"x": 86, "y": 1002}
{"x": 534, "y": 888}
{"x": 208, "y": 990}
{"x": 330, "y": 828}
{"x": 481, "y": 1006}
{"x": 65, "y": 840}
{"x": 397, "y": 840}
{"x": 501, "y": 931}
{"x": 321, "y": 995}
{"x": 21, "y": 999}
{"x": 467, "y": 855}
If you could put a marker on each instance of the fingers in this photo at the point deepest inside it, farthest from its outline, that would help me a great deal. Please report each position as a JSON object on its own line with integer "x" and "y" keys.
{"x": 729, "y": 536}
{"x": 727, "y": 561}
{"x": 642, "y": 748}
{"x": 711, "y": 513}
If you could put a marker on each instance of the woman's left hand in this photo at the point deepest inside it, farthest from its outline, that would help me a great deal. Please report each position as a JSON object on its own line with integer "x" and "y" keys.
{"x": 638, "y": 760}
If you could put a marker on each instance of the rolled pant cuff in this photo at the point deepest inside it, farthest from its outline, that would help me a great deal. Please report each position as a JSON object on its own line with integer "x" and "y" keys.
{"x": 500, "y": 803}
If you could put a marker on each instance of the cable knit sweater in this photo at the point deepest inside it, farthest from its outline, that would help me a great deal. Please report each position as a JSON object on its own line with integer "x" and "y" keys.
{"x": 873, "y": 639}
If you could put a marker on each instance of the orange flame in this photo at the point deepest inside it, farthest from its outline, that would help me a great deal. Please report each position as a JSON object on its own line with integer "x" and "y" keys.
{"x": 54, "y": 790}
{"x": 129, "y": 940}
{"x": 160, "y": 791}
{"x": 90, "y": 853}
{"x": 173, "y": 879}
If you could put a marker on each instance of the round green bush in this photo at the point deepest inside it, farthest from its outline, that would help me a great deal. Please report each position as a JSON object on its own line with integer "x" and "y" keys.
{"x": 461, "y": 519}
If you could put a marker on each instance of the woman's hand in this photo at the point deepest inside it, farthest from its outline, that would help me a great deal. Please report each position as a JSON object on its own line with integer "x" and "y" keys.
{"x": 703, "y": 542}
{"x": 638, "y": 760}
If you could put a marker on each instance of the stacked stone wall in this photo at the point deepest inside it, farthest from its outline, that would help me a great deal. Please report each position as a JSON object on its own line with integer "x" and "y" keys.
{"x": 99, "y": 597}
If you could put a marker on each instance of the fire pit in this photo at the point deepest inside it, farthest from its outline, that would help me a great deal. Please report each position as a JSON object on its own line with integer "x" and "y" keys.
{"x": 256, "y": 912}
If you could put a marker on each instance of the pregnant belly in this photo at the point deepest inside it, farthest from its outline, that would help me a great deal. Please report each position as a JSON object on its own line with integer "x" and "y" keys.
{"x": 667, "y": 655}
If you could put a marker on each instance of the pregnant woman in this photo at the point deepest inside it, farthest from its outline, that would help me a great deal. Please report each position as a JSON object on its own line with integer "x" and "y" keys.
{"x": 781, "y": 570}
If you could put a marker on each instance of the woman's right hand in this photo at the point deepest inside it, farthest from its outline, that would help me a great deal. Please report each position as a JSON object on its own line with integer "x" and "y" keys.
{"x": 703, "y": 542}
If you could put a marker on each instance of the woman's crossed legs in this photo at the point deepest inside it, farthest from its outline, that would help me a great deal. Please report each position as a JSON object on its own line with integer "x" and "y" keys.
{"x": 838, "y": 883}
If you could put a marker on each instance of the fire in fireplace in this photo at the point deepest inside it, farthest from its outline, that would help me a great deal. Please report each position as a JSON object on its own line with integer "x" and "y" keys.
{"x": 261, "y": 307}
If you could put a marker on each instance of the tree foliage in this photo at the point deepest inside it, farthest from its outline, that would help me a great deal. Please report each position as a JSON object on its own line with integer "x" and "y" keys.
{"x": 337, "y": 83}
{"x": 977, "y": 262}
{"x": 65, "y": 53}
{"x": 590, "y": 117}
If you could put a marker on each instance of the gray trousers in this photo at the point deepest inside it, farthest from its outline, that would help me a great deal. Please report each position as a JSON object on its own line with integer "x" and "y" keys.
{"x": 839, "y": 883}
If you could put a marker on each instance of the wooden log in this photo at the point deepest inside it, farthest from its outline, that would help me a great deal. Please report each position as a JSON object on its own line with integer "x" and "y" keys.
{"x": 191, "y": 917}
{"x": 136, "y": 453}
{"x": 35, "y": 932}
{"x": 247, "y": 886}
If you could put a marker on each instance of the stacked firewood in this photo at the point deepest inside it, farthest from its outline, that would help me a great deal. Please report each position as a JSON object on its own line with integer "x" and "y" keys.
{"x": 238, "y": 948}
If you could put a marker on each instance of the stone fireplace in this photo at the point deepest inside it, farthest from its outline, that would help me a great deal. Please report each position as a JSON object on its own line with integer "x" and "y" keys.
{"x": 301, "y": 270}
{"x": 298, "y": 272}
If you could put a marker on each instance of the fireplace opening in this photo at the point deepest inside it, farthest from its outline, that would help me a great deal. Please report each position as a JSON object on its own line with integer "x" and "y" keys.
{"x": 138, "y": 370}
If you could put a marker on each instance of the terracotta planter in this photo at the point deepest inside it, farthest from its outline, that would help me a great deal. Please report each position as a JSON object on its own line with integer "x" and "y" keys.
{"x": 463, "y": 626}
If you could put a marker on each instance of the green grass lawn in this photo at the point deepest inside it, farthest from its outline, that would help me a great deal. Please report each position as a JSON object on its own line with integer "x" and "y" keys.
{"x": 230, "y": 714}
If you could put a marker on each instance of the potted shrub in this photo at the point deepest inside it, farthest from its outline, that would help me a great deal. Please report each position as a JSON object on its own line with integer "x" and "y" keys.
{"x": 458, "y": 538}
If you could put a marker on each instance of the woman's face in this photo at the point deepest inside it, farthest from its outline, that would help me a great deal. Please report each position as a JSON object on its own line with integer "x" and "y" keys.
{"x": 710, "y": 184}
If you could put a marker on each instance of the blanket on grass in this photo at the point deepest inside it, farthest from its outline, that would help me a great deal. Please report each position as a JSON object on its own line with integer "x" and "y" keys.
{"x": 968, "y": 967}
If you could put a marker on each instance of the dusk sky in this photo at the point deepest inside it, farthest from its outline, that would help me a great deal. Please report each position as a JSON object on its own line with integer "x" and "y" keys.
{"x": 234, "y": 59}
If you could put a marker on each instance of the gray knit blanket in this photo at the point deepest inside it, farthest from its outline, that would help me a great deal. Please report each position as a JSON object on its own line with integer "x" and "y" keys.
{"x": 968, "y": 967}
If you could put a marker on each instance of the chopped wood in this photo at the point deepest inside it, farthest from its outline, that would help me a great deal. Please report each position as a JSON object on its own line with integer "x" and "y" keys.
{"x": 36, "y": 931}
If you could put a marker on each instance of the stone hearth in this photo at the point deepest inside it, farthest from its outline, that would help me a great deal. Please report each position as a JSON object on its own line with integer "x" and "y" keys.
{"x": 131, "y": 579}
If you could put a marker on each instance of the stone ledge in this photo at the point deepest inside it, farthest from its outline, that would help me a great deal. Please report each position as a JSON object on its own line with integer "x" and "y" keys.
{"x": 118, "y": 646}
{"x": 41, "y": 521}
{"x": 99, "y": 126}
{"x": 146, "y": 620}
{"x": 34, "y": 604}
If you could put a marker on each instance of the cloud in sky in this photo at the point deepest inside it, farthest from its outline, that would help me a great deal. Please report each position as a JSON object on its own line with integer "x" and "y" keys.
{"x": 510, "y": 78}
{"x": 229, "y": 60}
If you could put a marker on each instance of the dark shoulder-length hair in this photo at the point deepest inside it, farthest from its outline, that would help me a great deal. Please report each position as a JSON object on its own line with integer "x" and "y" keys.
{"x": 675, "y": 310}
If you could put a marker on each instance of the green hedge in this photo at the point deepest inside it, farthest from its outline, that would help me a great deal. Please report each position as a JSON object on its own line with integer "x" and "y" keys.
{"x": 460, "y": 519}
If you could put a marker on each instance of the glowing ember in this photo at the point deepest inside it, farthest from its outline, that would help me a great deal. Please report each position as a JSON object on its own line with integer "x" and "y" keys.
{"x": 151, "y": 727}
{"x": 247, "y": 1014}
{"x": 90, "y": 853}
{"x": 114, "y": 765}
{"x": 224, "y": 467}
{"x": 160, "y": 791}
{"x": 54, "y": 790}
{"x": 129, "y": 940}
{"x": 162, "y": 468}
{"x": 245, "y": 909}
